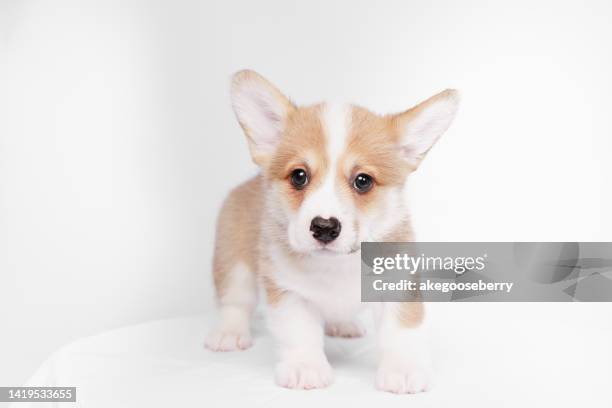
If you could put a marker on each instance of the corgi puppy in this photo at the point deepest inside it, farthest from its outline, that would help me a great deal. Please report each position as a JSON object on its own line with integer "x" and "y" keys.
{"x": 332, "y": 176}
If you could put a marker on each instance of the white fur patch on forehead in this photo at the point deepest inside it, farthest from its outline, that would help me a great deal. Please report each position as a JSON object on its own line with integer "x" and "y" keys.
{"x": 336, "y": 120}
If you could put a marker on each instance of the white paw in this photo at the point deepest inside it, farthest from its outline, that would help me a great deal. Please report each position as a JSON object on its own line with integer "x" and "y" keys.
{"x": 220, "y": 340}
{"x": 344, "y": 329}
{"x": 304, "y": 375}
{"x": 404, "y": 380}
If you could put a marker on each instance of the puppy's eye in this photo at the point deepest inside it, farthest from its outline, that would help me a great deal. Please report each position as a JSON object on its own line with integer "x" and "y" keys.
{"x": 299, "y": 178}
{"x": 363, "y": 183}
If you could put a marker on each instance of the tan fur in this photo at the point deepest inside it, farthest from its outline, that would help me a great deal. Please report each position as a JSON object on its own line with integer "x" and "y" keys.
{"x": 274, "y": 294}
{"x": 238, "y": 229}
{"x": 409, "y": 314}
{"x": 371, "y": 149}
{"x": 237, "y": 240}
{"x": 302, "y": 147}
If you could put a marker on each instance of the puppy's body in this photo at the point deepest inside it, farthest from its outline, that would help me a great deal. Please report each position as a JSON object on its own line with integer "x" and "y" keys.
{"x": 332, "y": 177}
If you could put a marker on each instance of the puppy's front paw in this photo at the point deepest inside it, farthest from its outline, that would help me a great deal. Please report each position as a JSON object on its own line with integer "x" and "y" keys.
{"x": 344, "y": 329}
{"x": 304, "y": 375}
{"x": 220, "y": 340}
{"x": 408, "y": 379}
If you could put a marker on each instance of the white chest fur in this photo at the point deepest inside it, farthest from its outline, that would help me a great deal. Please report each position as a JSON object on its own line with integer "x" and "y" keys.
{"x": 332, "y": 283}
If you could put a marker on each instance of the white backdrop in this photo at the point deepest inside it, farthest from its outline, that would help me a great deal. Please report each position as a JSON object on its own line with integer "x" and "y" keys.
{"x": 117, "y": 142}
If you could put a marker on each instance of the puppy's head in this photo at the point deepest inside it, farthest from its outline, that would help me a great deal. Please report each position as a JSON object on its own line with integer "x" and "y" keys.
{"x": 334, "y": 172}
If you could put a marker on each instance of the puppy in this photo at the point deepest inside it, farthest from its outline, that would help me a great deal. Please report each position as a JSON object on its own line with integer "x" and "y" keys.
{"x": 332, "y": 176}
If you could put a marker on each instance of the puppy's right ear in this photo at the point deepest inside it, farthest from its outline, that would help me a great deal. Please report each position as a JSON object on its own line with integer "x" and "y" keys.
{"x": 262, "y": 111}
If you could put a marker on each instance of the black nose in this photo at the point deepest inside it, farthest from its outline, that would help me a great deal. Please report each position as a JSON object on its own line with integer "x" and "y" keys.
{"x": 325, "y": 229}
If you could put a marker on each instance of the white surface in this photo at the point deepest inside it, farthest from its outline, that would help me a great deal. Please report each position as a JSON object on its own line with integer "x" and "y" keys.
{"x": 486, "y": 355}
{"x": 118, "y": 143}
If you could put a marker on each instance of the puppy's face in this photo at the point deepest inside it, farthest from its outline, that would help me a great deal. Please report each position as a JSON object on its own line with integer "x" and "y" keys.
{"x": 335, "y": 172}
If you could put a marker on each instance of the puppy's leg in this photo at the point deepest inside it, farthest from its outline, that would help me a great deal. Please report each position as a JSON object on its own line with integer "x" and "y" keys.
{"x": 405, "y": 365}
{"x": 298, "y": 329}
{"x": 347, "y": 329}
{"x": 234, "y": 268}
{"x": 237, "y": 298}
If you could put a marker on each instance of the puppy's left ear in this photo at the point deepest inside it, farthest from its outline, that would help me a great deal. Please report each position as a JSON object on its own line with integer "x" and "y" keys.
{"x": 421, "y": 126}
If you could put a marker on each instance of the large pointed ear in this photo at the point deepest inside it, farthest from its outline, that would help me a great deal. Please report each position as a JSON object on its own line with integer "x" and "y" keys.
{"x": 421, "y": 126}
{"x": 262, "y": 111}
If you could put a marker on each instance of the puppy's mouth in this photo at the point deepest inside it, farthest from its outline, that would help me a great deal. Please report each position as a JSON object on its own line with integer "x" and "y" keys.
{"x": 325, "y": 250}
